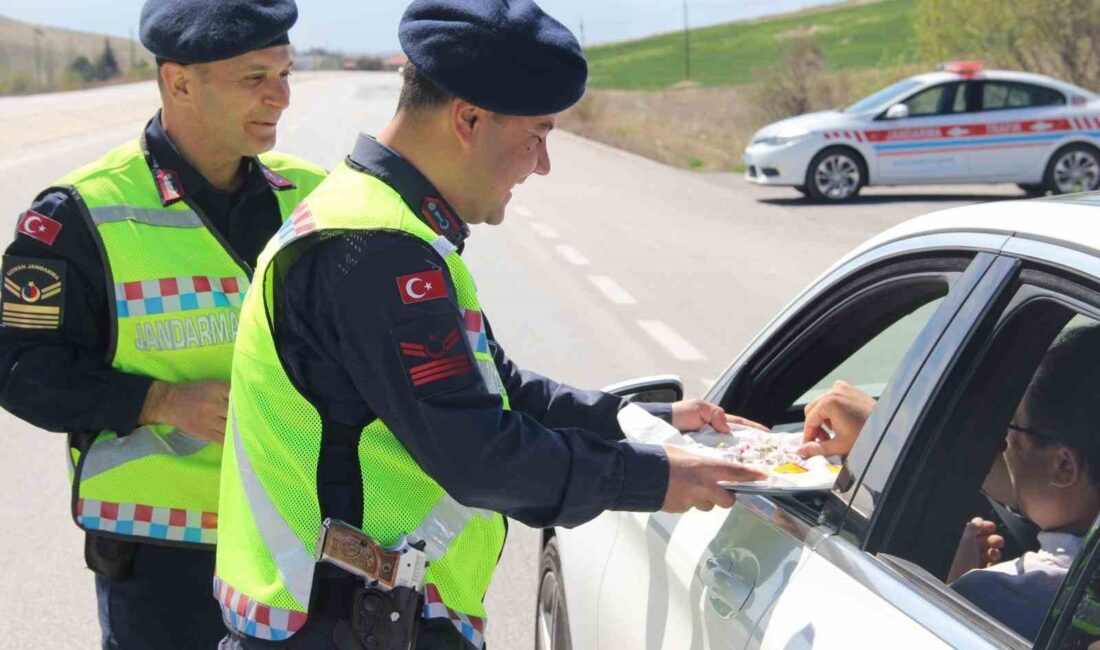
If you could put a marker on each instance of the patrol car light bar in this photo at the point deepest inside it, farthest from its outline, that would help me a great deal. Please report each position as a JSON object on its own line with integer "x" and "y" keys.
{"x": 965, "y": 68}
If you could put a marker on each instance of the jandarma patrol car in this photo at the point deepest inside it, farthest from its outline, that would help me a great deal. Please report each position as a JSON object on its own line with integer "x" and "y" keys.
{"x": 962, "y": 124}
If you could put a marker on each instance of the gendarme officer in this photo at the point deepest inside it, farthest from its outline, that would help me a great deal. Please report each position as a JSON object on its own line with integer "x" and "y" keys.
{"x": 122, "y": 293}
{"x": 368, "y": 386}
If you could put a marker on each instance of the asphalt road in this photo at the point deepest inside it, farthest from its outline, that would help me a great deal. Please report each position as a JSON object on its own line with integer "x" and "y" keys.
{"x": 610, "y": 268}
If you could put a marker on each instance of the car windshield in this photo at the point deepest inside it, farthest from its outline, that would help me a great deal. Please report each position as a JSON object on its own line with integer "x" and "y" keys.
{"x": 882, "y": 96}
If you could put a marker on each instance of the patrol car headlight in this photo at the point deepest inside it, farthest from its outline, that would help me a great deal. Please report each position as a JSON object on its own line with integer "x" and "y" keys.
{"x": 781, "y": 140}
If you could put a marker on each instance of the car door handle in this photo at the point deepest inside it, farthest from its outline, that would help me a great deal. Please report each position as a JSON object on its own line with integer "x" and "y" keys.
{"x": 727, "y": 591}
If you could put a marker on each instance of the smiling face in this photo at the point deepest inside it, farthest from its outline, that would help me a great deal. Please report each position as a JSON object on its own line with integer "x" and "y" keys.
{"x": 504, "y": 151}
{"x": 238, "y": 101}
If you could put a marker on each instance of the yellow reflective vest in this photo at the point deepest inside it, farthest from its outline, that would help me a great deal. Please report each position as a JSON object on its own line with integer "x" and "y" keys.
{"x": 175, "y": 292}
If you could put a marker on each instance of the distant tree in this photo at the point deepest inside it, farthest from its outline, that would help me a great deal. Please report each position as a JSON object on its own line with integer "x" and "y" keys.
{"x": 84, "y": 68}
{"x": 1060, "y": 38}
{"x": 788, "y": 87}
{"x": 368, "y": 63}
{"x": 107, "y": 66}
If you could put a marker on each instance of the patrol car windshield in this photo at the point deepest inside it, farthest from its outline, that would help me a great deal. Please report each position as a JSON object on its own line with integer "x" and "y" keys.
{"x": 883, "y": 96}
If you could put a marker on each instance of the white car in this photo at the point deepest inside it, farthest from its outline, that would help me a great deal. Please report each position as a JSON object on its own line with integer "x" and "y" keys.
{"x": 960, "y": 125}
{"x": 942, "y": 319}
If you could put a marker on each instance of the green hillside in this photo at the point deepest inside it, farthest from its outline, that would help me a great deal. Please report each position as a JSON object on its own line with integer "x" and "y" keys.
{"x": 854, "y": 35}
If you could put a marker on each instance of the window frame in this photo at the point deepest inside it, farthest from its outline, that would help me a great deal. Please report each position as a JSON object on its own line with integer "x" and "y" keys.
{"x": 819, "y": 296}
{"x": 1079, "y": 291}
{"x": 979, "y": 96}
{"x": 941, "y": 108}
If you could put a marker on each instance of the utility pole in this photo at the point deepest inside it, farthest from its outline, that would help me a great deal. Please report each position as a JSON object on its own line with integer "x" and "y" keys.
{"x": 583, "y": 45}
{"x": 37, "y": 58}
{"x": 687, "y": 45}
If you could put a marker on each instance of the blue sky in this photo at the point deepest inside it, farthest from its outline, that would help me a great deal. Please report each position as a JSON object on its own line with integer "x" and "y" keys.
{"x": 371, "y": 25}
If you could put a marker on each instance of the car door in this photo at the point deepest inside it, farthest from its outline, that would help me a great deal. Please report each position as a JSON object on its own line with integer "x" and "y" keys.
{"x": 703, "y": 579}
{"x": 927, "y": 145}
{"x": 886, "y": 578}
{"x": 1020, "y": 125}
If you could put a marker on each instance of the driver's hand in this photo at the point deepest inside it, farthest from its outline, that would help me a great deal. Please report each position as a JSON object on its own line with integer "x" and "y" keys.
{"x": 979, "y": 547}
{"x": 844, "y": 410}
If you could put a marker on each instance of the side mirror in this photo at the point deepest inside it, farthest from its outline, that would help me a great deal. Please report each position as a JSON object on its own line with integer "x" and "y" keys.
{"x": 659, "y": 388}
{"x": 897, "y": 112}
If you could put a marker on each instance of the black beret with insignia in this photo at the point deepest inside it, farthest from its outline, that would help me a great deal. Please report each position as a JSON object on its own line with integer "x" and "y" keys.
{"x": 507, "y": 56}
{"x": 200, "y": 31}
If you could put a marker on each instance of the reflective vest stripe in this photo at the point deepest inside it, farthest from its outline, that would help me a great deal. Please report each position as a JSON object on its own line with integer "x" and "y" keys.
{"x": 168, "y": 295}
{"x": 443, "y": 524}
{"x": 239, "y": 612}
{"x": 470, "y": 627}
{"x": 443, "y": 246}
{"x": 293, "y": 559}
{"x": 169, "y": 524}
{"x": 147, "y": 216}
{"x": 105, "y": 455}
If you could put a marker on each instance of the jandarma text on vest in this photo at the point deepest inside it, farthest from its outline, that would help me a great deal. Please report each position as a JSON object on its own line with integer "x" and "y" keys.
{"x": 188, "y": 332}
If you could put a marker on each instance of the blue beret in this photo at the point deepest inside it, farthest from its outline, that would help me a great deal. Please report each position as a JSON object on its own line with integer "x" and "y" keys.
{"x": 507, "y": 56}
{"x": 200, "y": 31}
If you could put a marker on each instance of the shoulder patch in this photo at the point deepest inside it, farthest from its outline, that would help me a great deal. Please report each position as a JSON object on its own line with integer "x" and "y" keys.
{"x": 34, "y": 293}
{"x": 421, "y": 287}
{"x": 434, "y": 355}
{"x": 39, "y": 226}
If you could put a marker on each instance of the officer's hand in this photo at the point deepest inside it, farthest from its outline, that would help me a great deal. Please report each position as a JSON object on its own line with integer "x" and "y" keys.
{"x": 843, "y": 409}
{"x": 198, "y": 408}
{"x": 693, "y": 480}
{"x": 694, "y": 414}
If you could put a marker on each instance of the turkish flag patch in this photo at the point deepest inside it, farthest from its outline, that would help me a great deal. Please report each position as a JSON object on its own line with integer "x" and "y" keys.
{"x": 421, "y": 287}
{"x": 39, "y": 226}
{"x": 435, "y": 356}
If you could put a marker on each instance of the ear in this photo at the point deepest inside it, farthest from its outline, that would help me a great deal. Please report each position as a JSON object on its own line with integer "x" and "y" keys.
{"x": 178, "y": 82}
{"x": 465, "y": 120}
{"x": 1067, "y": 468}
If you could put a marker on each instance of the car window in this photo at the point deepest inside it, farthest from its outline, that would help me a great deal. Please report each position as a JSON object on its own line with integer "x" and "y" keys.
{"x": 864, "y": 325}
{"x": 882, "y": 97}
{"x": 1011, "y": 420}
{"x": 936, "y": 100}
{"x": 1003, "y": 95}
{"x": 870, "y": 367}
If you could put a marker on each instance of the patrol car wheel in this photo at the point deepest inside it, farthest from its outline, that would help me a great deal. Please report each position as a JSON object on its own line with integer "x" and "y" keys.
{"x": 1073, "y": 168}
{"x": 835, "y": 175}
{"x": 551, "y": 619}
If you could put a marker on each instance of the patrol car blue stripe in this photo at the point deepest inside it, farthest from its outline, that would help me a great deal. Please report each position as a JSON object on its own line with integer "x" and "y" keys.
{"x": 969, "y": 142}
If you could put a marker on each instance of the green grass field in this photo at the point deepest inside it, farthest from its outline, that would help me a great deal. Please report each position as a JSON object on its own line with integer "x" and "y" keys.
{"x": 850, "y": 36}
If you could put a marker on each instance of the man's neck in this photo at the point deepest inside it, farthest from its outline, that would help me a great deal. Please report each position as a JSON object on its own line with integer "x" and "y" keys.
{"x": 222, "y": 171}
{"x": 426, "y": 150}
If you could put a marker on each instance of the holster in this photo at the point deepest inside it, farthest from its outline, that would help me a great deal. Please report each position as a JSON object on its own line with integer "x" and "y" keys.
{"x": 386, "y": 620}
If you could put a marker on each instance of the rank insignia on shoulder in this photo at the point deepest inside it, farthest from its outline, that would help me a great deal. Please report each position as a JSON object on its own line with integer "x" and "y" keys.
{"x": 169, "y": 186}
{"x": 434, "y": 355}
{"x": 276, "y": 180}
{"x": 34, "y": 293}
{"x": 39, "y": 226}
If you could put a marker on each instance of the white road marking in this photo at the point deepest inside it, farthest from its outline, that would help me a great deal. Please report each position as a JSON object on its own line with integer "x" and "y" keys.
{"x": 572, "y": 255}
{"x": 522, "y": 211}
{"x": 612, "y": 290}
{"x": 670, "y": 340}
{"x": 544, "y": 230}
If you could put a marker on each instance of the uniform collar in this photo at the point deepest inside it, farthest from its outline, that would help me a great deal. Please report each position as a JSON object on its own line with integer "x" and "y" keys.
{"x": 176, "y": 179}
{"x": 376, "y": 159}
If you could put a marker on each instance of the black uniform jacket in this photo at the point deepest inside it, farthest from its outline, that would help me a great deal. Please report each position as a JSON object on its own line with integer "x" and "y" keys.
{"x": 366, "y": 325}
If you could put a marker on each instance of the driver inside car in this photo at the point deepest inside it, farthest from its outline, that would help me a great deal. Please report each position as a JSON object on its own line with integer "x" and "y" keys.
{"x": 1052, "y": 455}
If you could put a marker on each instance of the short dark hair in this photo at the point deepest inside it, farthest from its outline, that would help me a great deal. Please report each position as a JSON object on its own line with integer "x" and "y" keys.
{"x": 419, "y": 92}
{"x": 1063, "y": 400}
